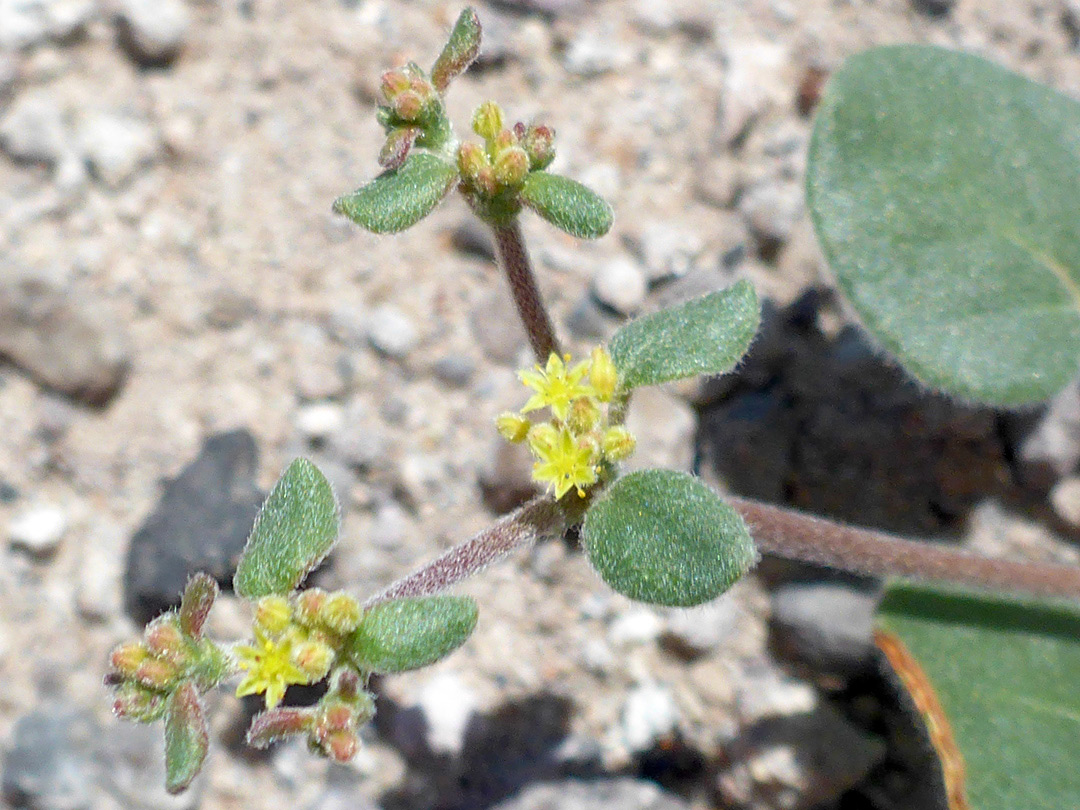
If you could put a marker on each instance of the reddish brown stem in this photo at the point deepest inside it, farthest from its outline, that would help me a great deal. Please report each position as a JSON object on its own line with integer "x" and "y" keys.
{"x": 538, "y": 519}
{"x": 791, "y": 534}
{"x": 510, "y": 248}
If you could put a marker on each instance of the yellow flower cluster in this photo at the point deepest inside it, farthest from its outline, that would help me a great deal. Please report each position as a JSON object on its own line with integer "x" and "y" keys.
{"x": 571, "y": 447}
{"x": 294, "y": 642}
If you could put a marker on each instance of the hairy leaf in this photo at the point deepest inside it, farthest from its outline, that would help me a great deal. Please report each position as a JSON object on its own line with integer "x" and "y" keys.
{"x": 295, "y": 530}
{"x": 943, "y": 189}
{"x": 398, "y": 199}
{"x": 708, "y": 335}
{"x": 460, "y": 51}
{"x": 410, "y": 633}
{"x": 567, "y": 205}
{"x": 186, "y": 738}
{"x": 995, "y": 678}
{"x": 663, "y": 537}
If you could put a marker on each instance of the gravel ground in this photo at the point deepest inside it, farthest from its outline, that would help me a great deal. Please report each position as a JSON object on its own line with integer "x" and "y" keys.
{"x": 170, "y": 271}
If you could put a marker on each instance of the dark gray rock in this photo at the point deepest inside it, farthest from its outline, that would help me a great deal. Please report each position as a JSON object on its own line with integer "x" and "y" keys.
{"x": 66, "y": 342}
{"x": 456, "y": 370}
{"x": 200, "y": 524}
{"x": 50, "y": 765}
{"x": 933, "y": 8}
{"x": 825, "y": 627}
{"x": 600, "y": 794}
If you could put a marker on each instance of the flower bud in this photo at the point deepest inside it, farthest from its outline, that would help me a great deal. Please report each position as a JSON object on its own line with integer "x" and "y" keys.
{"x": 273, "y": 614}
{"x": 314, "y": 659}
{"x": 309, "y": 605}
{"x": 157, "y": 673}
{"x": 471, "y": 160}
{"x": 583, "y": 416}
{"x": 618, "y": 443}
{"x": 513, "y": 427}
{"x": 542, "y": 437}
{"x": 488, "y": 120}
{"x": 394, "y": 83}
{"x": 165, "y": 639}
{"x": 341, "y": 613}
{"x": 137, "y": 703}
{"x": 504, "y": 139}
{"x": 511, "y": 166}
{"x": 602, "y": 375}
{"x": 342, "y": 746}
{"x": 127, "y": 658}
{"x": 408, "y": 106}
{"x": 539, "y": 144}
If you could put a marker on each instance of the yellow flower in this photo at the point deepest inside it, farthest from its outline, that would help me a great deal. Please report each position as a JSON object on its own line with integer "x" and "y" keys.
{"x": 556, "y": 386}
{"x": 564, "y": 463}
{"x": 270, "y": 667}
{"x": 513, "y": 427}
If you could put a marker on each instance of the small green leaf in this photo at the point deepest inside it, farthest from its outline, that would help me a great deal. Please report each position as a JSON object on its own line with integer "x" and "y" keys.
{"x": 943, "y": 190}
{"x": 567, "y": 205}
{"x": 295, "y": 530}
{"x": 410, "y": 633}
{"x": 663, "y": 537}
{"x": 708, "y": 335}
{"x": 186, "y": 738}
{"x": 398, "y": 199}
{"x": 460, "y": 51}
{"x": 1005, "y": 671}
{"x": 195, "y": 604}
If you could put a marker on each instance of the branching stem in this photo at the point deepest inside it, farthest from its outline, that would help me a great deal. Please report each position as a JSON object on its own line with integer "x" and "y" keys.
{"x": 791, "y": 534}
{"x": 510, "y": 248}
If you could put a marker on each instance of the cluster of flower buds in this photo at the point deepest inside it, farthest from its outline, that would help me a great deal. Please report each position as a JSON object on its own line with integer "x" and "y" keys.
{"x": 296, "y": 641}
{"x": 172, "y": 652}
{"x": 331, "y": 726}
{"x": 413, "y": 110}
{"x": 579, "y": 439}
{"x": 506, "y": 156}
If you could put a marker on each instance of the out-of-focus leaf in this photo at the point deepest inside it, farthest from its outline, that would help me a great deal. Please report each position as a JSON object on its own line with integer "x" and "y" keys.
{"x": 186, "y": 738}
{"x": 995, "y": 679}
{"x": 943, "y": 189}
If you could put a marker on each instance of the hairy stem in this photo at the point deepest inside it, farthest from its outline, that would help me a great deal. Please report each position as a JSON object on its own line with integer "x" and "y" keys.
{"x": 510, "y": 248}
{"x": 796, "y": 536}
{"x": 540, "y": 518}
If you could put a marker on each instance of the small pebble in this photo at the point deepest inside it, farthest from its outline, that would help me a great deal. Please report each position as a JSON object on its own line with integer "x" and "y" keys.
{"x": 636, "y": 627}
{"x": 33, "y": 130}
{"x": 391, "y": 331}
{"x": 116, "y": 146}
{"x": 153, "y": 31}
{"x": 38, "y": 529}
{"x": 320, "y": 420}
{"x": 455, "y": 370}
{"x": 447, "y": 704}
{"x": 1065, "y": 498}
{"x": 648, "y": 715}
{"x": 668, "y": 251}
{"x": 620, "y": 284}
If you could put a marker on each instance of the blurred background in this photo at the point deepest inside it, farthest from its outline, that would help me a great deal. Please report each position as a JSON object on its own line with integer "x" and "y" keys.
{"x": 181, "y": 314}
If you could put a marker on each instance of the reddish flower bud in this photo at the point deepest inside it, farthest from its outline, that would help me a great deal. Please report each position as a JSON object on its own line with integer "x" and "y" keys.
{"x": 127, "y": 658}
{"x": 394, "y": 83}
{"x": 309, "y": 605}
{"x": 504, "y": 140}
{"x": 165, "y": 639}
{"x": 511, "y": 166}
{"x": 408, "y": 106}
{"x": 138, "y": 704}
{"x": 157, "y": 673}
{"x": 539, "y": 144}
{"x": 341, "y": 746}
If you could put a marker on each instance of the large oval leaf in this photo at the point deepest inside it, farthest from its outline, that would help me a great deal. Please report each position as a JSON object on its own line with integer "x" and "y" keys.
{"x": 663, "y": 537}
{"x": 996, "y": 679}
{"x": 567, "y": 205}
{"x": 411, "y": 633}
{"x": 708, "y": 335}
{"x": 295, "y": 530}
{"x": 398, "y": 199}
{"x": 944, "y": 192}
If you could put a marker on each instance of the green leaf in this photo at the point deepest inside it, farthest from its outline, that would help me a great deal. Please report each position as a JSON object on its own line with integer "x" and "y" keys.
{"x": 398, "y": 199}
{"x": 186, "y": 738}
{"x": 708, "y": 335}
{"x": 295, "y": 530}
{"x": 410, "y": 633}
{"x": 943, "y": 190}
{"x": 1005, "y": 671}
{"x": 567, "y": 205}
{"x": 460, "y": 51}
{"x": 663, "y": 537}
